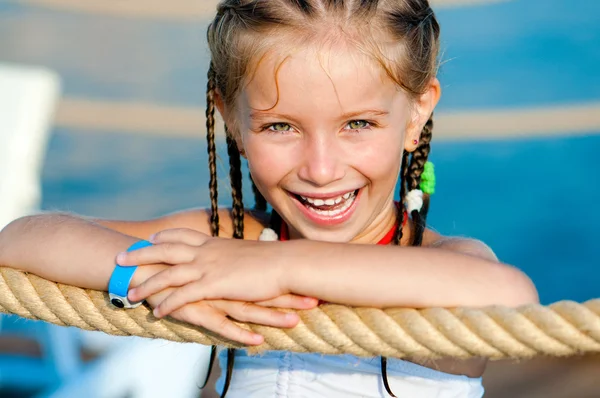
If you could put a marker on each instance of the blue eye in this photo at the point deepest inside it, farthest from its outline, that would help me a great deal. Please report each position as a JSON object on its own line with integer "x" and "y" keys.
{"x": 280, "y": 127}
{"x": 358, "y": 124}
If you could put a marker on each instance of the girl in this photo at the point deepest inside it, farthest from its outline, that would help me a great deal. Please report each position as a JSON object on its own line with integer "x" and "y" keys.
{"x": 330, "y": 101}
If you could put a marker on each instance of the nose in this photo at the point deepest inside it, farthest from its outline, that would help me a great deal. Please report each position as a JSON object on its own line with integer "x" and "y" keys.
{"x": 323, "y": 160}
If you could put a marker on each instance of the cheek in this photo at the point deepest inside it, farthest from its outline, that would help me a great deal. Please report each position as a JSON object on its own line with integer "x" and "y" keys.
{"x": 381, "y": 160}
{"x": 269, "y": 164}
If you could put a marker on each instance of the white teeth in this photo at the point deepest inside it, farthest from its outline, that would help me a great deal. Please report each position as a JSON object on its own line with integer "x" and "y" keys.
{"x": 333, "y": 213}
{"x": 328, "y": 202}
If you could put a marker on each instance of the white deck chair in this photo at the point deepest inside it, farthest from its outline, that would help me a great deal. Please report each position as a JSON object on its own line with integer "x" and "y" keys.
{"x": 27, "y": 100}
{"x": 129, "y": 367}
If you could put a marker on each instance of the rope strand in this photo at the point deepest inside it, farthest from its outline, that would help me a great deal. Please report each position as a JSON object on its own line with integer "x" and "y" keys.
{"x": 561, "y": 329}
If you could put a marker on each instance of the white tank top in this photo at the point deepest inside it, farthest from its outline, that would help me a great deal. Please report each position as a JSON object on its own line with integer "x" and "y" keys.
{"x": 280, "y": 374}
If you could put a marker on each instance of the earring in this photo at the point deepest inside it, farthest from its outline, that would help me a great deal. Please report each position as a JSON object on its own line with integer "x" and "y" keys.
{"x": 416, "y": 142}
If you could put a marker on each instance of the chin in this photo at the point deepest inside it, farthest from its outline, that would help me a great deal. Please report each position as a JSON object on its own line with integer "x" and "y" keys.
{"x": 333, "y": 236}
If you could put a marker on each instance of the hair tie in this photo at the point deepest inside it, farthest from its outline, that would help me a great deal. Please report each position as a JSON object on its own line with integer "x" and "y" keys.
{"x": 414, "y": 200}
{"x": 428, "y": 179}
{"x": 268, "y": 235}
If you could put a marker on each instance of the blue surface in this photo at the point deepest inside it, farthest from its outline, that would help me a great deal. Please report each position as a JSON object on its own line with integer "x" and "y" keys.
{"x": 521, "y": 53}
{"x": 506, "y": 54}
{"x": 96, "y": 54}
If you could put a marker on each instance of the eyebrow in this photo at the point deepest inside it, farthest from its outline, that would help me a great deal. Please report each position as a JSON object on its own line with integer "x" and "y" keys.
{"x": 259, "y": 115}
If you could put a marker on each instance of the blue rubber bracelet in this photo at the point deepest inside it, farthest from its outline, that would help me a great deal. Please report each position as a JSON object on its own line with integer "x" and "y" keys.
{"x": 121, "y": 276}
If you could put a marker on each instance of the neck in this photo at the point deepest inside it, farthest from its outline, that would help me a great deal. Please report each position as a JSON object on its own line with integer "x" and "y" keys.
{"x": 380, "y": 226}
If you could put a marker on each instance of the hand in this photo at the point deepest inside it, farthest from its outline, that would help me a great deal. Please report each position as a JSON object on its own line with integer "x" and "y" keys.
{"x": 206, "y": 268}
{"x": 218, "y": 315}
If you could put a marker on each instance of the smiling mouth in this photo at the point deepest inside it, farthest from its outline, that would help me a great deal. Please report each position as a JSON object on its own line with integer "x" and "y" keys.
{"x": 330, "y": 207}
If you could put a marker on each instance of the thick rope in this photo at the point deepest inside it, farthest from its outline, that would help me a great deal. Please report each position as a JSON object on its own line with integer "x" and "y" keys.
{"x": 562, "y": 329}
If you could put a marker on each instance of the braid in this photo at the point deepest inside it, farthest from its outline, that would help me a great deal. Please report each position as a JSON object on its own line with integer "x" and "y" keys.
{"x": 260, "y": 203}
{"x": 212, "y": 167}
{"x": 212, "y": 150}
{"x": 235, "y": 175}
{"x": 413, "y": 179}
{"x": 400, "y": 215}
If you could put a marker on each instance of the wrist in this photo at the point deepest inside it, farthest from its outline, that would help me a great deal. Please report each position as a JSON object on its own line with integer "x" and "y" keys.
{"x": 121, "y": 280}
{"x": 290, "y": 257}
{"x": 307, "y": 266}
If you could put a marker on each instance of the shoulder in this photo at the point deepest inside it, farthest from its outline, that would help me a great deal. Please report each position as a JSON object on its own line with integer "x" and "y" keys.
{"x": 198, "y": 219}
{"x": 473, "y": 247}
{"x": 522, "y": 289}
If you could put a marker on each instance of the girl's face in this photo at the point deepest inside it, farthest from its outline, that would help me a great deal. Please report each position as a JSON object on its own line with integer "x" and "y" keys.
{"x": 324, "y": 138}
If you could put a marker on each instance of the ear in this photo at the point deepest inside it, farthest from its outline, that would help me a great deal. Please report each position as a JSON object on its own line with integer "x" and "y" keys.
{"x": 240, "y": 145}
{"x": 422, "y": 109}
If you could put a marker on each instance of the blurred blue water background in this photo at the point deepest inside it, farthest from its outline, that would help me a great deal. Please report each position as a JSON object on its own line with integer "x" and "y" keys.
{"x": 533, "y": 200}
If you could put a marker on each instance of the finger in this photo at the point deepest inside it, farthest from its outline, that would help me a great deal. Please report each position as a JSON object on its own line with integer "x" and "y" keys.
{"x": 291, "y": 301}
{"x": 187, "y": 294}
{"x": 167, "y": 253}
{"x": 216, "y": 321}
{"x": 176, "y": 276}
{"x": 252, "y": 313}
{"x": 180, "y": 235}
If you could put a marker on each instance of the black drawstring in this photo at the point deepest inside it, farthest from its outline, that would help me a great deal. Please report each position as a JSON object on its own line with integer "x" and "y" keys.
{"x": 229, "y": 371}
{"x": 386, "y": 384}
{"x": 211, "y": 361}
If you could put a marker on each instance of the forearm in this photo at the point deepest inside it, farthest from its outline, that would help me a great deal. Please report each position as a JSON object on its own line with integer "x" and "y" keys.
{"x": 63, "y": 248}
{"x": 388, "y": 276}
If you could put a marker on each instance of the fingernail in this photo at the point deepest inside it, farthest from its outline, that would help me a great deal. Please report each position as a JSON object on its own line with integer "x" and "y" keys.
{"x": 121, "y": 257}
{"x": 132, "y": 292}
{"x": 151, "y": 238}
{"x": 156, "y": 312}
{"x": 310, "y": 300}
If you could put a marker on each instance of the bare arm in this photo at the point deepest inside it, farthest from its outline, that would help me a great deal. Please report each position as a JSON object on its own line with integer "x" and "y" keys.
{"x": 80, "y": 251}
{"x": 455, "y": 273}
{"x": 75, "y": 251}
{"x": 63, "y": 248}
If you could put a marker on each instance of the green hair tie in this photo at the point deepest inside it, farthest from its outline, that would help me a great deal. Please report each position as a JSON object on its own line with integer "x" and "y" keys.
{"x": 428, "y": 179}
